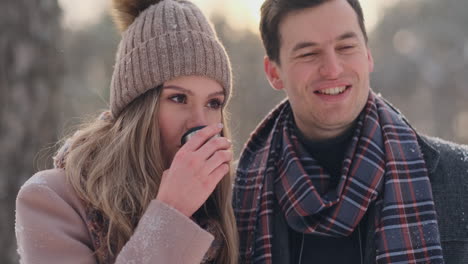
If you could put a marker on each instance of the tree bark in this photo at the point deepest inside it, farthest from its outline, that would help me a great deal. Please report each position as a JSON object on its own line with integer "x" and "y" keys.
{"x": 30, "y": 75}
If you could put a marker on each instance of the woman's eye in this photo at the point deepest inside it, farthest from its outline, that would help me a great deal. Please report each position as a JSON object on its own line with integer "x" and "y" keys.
{"x": 179, "y": 98}
{"x": 215, "y": 104}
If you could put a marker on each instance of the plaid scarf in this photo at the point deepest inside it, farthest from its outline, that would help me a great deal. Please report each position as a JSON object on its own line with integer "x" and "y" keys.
{"x": 383, "y": 164}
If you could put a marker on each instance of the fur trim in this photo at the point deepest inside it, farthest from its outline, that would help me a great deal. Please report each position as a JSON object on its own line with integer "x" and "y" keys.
{"x": 124, "y": 12}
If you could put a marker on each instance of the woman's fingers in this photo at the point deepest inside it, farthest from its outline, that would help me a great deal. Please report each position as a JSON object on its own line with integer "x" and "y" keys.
{"x": 216, "y": 160}
{"x": 213, "y": 145}
{"x": 202, "y": 136}
{"x": 196, "y": 170}
{"x": 217, "y": 175}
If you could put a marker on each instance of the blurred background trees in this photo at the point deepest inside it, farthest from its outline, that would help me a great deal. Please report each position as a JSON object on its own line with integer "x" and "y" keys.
{"x": 420, "y": 50}
{"x": 50, "y": 76}
{"x": 30, "y": 83}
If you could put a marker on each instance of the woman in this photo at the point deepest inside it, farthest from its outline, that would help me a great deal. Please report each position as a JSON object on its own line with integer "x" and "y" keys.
{"x": 125, "y": 189}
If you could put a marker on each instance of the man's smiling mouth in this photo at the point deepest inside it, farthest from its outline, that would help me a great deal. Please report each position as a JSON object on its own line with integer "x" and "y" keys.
{"x": 333, "y": 90}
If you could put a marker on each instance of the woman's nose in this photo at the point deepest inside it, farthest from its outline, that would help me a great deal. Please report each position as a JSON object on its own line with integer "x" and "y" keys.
{"x": 197, "y": 117}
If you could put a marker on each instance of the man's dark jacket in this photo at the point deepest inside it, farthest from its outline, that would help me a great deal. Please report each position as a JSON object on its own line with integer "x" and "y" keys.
{"x": 447, "y": 164}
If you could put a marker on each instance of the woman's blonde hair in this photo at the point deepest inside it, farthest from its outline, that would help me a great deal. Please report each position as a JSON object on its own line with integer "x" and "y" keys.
{"x": 115, "y": 166}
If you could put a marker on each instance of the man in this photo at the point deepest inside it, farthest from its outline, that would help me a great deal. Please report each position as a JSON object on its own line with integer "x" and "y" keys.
{"x": 335, "y": 174}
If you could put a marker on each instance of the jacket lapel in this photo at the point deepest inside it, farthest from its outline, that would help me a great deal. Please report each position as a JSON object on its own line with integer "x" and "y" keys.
{"x": 431, "y": 155}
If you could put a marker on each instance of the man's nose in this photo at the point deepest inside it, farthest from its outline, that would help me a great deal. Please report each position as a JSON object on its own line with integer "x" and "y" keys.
{"x": 331, "y": 67}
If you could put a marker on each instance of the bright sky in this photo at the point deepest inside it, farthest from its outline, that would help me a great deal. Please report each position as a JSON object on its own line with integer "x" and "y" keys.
{"x": 241, "y": 14}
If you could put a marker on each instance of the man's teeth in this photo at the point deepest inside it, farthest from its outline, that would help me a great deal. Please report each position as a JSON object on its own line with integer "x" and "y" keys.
{"x": 333, "y": 91}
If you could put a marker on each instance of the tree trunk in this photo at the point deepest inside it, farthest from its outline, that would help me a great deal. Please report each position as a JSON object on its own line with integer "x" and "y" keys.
{"x": 30, "y": 75}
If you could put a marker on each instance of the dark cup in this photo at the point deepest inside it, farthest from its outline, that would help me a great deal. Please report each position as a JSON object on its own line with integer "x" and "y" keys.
{"x": 190, "y": 133}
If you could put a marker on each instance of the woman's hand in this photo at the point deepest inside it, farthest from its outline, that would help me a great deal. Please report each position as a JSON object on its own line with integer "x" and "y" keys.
{"x": 195, "y": 171}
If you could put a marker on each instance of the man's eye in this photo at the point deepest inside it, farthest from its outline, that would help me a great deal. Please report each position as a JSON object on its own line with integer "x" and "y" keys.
{"x": 179, "y": 98}
{"x": 215, "y": 104}
{"x": 348, "y": 47}
{"x": 310, "y": 54}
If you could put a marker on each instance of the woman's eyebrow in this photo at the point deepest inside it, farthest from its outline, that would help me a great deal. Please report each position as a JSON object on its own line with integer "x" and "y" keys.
{"x": 178, "y": 88}
{"x": 216, "y": 94}
{"x": 189, "y": 92}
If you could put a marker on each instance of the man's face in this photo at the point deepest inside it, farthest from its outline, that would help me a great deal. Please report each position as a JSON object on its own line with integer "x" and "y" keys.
{"x": 324, "y": 68}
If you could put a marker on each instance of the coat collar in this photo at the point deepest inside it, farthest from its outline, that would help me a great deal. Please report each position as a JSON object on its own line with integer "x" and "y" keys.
{"x": 430, "y": 155}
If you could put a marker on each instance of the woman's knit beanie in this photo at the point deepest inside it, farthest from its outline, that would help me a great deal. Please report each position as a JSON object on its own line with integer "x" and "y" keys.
{"x": 162, "y": 40}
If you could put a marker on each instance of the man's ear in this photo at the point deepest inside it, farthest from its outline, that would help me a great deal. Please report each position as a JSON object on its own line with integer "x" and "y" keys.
{"x": 272, "y": 72}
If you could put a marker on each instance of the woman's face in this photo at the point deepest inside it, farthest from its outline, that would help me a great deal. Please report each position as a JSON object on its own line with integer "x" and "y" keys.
{"x": 187, "y": 102}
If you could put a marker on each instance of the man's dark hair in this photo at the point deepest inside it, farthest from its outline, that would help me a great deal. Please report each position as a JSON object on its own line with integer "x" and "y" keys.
{"x": 273, "y": 12}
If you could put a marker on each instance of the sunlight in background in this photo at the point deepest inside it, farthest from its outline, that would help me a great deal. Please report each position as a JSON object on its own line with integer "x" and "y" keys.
{"x": 241, "y": 14}
{"x": 80, "y": 14}
{"x": 245, "y": 14}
